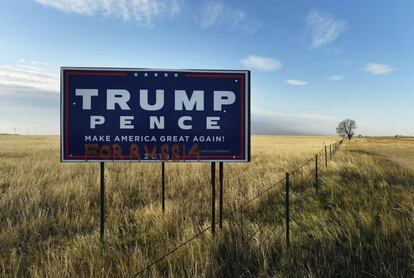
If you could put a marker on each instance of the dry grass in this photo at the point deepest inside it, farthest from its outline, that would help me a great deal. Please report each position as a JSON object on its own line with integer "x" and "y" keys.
{"x": 360, "y": 223}
{"x": 50, "y": 214}
{"x": 400, "y": 150}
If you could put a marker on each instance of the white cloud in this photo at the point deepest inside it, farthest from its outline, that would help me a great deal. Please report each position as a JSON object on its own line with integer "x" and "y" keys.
{"x": 378, "y": 68}
{"x": 141, "y": 11}
{"x": 324, "y": 28}
{"x": 23, "y": 79}
{"x": 216, "y": 13}
{"x": 39, "y": 63}
{"x": 296, "y": 82}
{"x": 261, "y": 63}
{"x": 268, "y": 121}
{"x": 263, "y": 112}
{"x": 336, "y": 77}
{"x": 211, "y": 13}
{"x": 237, "y": 17}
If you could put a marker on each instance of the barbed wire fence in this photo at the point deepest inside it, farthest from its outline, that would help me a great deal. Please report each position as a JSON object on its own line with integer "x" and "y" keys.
{"x": 323, "y": 156}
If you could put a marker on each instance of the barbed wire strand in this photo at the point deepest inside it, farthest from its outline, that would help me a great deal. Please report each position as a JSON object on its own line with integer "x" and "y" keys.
{"x": 203, "y": 231}
{"x": 230, "y": 214}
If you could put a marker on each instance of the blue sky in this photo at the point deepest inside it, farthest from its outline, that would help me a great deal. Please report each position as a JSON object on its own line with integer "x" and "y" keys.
{"x": 313, "y": 63}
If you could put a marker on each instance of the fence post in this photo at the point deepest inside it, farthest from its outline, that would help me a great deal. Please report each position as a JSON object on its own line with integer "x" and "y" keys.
{"x": 213, "y": 197}
{"x": 287, "y": 219}
{"x": 326, "y": 158}
{"x": 330, "y": 152}
{"x": 316, "y": 175}
{"x": 102, "y": 201}
{"x": 287, "y": 208}
{"x": 163, "y": 186}
{"x": 221, "y": 172}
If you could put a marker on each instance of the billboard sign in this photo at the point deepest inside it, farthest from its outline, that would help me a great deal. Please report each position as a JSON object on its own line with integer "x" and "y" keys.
{"x": 149, "y": 115}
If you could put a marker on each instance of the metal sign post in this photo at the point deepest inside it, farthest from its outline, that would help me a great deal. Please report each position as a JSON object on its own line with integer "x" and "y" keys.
{"x": 221, "y": 195}
{"x": 163, "y": 186}
{"x": 102, "y": 201}
{"x": 213, "y": 197}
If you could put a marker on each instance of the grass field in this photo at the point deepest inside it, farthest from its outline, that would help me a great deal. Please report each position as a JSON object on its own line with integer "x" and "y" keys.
{"x": 360, "y": 223}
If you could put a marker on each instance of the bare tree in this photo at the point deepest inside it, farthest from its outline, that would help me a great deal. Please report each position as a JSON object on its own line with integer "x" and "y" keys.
{"x": 346, "y": 128}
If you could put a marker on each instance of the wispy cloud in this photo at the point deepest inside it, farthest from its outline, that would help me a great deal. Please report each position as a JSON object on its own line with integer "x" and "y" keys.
{"x": 296, "y": 82}
{"x": 261, "y": 63}
{"x": 336, "y": 77}
{"x": 216, "y": 13}
{"x": 16, "y": 79}
{"x": 141, "y": 11}
{"x": 265, "y": 121}
{"x": 378, "y": 68}
{"x": 263, "y": 112}
{"x": 324, "y": 28}
{"x": 211, "y": 13}
{"x": 33, "y": 62}
{"x": 238, "y": 17}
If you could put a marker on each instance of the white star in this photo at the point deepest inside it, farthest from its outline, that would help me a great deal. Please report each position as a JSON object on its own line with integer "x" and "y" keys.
{"x": 145, "y": 74}
{"x": 135, "y": 74}
{"x": 166, "y": 74}
{"x": 236, "y": 80}
{"x": 176, "y": 74}
{"x": 155, "y": 74}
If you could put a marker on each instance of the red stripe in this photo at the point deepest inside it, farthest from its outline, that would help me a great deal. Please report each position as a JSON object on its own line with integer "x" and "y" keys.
{"x": 97, "y": 73}
{"x": 212, "y": 75}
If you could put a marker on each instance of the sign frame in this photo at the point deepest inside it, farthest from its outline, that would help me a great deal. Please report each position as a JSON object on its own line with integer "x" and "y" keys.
{"x": 246, "y": 114}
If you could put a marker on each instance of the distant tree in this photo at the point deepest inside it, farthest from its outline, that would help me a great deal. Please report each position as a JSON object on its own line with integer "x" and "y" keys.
{"x": 346, "y": 128}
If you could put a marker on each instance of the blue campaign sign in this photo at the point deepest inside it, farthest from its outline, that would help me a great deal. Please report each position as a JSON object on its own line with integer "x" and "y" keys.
{"x": 149, "y": 115}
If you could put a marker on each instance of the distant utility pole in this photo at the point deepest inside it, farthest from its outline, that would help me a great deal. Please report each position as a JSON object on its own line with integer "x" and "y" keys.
{"x": 14, "y": 130}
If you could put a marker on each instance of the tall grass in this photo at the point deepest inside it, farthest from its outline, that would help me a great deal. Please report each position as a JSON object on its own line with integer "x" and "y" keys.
{"x": 359, "y": 224}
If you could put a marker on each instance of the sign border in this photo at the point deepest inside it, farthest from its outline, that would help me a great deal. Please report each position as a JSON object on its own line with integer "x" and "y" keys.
{"x": 247, "y": 111}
